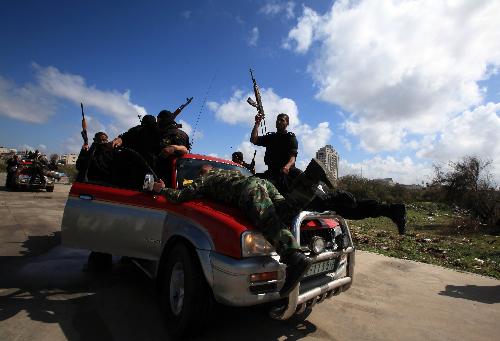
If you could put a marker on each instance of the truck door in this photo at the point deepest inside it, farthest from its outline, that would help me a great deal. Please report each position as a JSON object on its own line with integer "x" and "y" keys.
{"x": 116, "y": 216}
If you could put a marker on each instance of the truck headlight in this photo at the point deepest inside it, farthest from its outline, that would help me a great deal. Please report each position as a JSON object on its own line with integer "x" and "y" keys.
{"x": 317, "y": 245}
{"x": 253, "y": 243}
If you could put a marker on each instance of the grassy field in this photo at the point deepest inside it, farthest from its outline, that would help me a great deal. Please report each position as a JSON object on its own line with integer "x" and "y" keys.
{"x": 436, "y": 234}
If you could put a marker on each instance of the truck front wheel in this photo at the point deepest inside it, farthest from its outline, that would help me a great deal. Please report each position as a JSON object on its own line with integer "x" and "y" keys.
{"x": 186, "y": 297}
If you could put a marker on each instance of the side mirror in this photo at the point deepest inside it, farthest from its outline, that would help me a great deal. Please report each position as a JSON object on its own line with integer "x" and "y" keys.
{"x": 149, "y": 181}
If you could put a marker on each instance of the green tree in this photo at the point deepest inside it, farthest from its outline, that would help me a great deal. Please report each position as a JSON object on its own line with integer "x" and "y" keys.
{"x": 468, "y": 183}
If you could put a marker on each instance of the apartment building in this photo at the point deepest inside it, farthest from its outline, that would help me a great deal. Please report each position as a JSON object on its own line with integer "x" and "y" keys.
{"x": 330, "y": 158}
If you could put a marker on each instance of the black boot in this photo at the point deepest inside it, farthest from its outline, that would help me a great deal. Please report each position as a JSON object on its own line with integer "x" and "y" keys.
{"x": 297, "y": 265}
{"x": 317, "y": 171}
{"x": 397, "y": 212}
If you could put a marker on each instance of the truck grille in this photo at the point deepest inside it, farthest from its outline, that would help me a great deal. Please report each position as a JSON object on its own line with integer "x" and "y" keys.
{"x": 306, "y": 235}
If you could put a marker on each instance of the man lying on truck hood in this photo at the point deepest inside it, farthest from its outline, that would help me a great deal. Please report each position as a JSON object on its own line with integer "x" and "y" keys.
{"x": 262, "y": 204}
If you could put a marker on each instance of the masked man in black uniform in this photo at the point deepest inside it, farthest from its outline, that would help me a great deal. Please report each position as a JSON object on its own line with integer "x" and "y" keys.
{"x": 281, "y": 153}
{"x": 95, "y": 163}
{"x": 143, "y": 138}
{"x": 173, "y": 142}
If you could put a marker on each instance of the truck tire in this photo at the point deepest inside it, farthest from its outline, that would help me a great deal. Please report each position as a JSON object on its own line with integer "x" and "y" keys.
{"x": 49, "y": 189}
{"x": 186, "y": 298}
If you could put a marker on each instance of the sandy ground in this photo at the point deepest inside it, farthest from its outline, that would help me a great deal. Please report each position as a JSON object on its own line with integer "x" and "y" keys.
{"x": 45, "y": 295}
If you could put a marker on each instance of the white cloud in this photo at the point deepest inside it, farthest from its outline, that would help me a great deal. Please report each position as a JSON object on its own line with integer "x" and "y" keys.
{"x": 400, "y": 67}
{"x": 239, "y": 20}
{"x": 27, "y": 147}
{"x": 273, "y": 8}
{"x": 378, "y": 135}
{"x": 345, "y": 142}
{"x": 403, "y": 171}
{"x": 312, "y": 139}
{"x": 473, "y": 133}
{"x": 186, "y": 14}
{"x": 28, "y": 103}
{"x": 303, "y": 33}
{"x": 74, "y": 142}
{"x": 36, "y": 102}
{"x": 237, "y": 111}
{"x": 289, "y": 9}
{"x": 74, "y": 88}
{"x": 254, "y": 36}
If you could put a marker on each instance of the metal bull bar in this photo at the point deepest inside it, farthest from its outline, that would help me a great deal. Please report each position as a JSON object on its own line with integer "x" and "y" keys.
{"x": 298, "y": 302}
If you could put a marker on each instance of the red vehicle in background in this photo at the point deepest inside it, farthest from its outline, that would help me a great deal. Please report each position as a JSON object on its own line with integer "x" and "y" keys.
{"x": 201, "y": 251}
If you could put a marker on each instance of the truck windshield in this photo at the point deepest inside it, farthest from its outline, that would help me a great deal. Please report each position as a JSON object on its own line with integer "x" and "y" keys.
{"x": 188, "y": 169}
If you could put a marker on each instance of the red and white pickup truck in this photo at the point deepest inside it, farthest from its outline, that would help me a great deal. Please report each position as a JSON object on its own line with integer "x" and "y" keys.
{"x": 200, "y": 251}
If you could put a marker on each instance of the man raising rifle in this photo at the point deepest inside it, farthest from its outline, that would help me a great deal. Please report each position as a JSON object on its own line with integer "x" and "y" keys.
{"x": 281, "y": 152}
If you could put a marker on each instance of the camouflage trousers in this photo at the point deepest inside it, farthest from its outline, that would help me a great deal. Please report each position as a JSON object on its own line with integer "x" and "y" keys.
{"x": 268, "y": 210}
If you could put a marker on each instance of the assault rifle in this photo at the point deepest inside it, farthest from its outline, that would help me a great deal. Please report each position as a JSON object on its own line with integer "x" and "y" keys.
{"x": 84, "y": 127}
{"x": 252, "y": 164}
{"x": 179, "y": 109}
{"x": 257, "y": 104}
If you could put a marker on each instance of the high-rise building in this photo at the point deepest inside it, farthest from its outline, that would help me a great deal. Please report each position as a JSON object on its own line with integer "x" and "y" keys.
{"x": 330, "y": 158}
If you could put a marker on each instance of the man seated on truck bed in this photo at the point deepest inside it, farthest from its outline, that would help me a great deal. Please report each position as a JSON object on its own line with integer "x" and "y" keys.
{"x": 157, "y": 140}
{"x": 261, "y": 202}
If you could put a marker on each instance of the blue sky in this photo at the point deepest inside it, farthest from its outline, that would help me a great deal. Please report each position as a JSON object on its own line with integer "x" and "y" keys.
{"x": 393, "y": 86}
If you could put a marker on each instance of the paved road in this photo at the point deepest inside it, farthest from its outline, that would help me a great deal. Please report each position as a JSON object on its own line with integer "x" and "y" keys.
{"x": 45, "y": 295}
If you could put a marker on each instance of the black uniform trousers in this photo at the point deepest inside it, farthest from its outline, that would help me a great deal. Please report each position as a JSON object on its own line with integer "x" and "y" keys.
{"x": 345, "y": 204}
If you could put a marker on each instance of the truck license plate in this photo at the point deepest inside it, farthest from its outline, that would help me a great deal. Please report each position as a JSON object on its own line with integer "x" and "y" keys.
{"x": 321, "y": 267}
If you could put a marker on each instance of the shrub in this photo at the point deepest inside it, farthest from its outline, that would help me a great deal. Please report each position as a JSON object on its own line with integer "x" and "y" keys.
{"x": 468, "y": 184}
{"x": 70, "y": 171}
{"x": 363, "y": 188}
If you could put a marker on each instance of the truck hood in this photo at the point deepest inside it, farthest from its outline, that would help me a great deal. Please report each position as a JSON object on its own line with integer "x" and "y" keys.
{"x": 223, "y": 223}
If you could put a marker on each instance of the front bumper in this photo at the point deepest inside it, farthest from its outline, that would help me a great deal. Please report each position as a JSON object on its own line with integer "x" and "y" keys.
{"x": 232, "y": 286}
{"x": 231, "y": 279}
{"x": 315, "y": 290}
